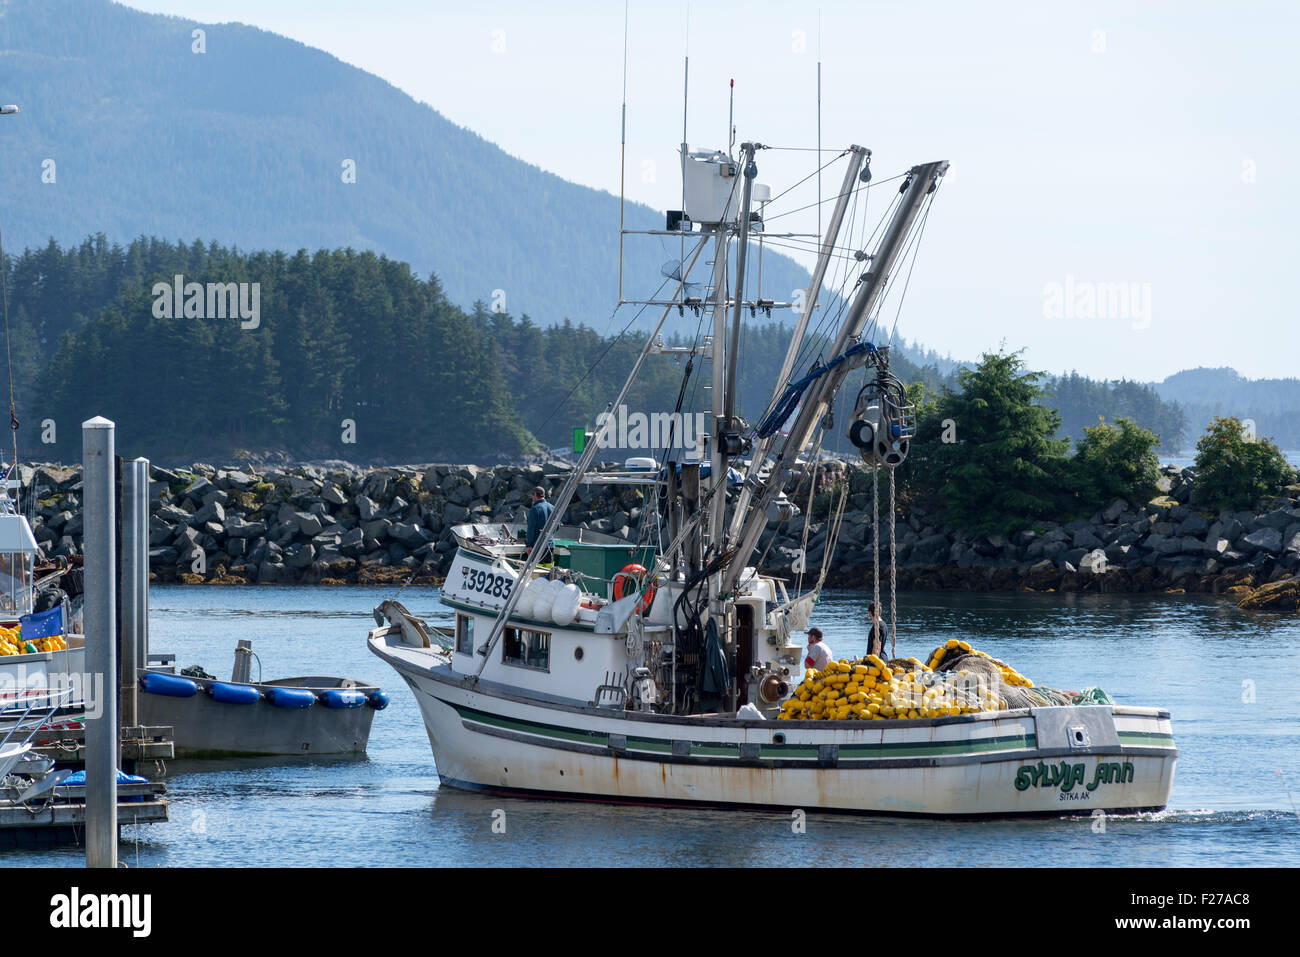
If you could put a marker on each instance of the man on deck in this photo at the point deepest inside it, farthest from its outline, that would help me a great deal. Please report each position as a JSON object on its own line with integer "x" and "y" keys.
{"x": 537, "y": 518}
{"x": 878, "y": 633}
{"x": 819, "y": 653}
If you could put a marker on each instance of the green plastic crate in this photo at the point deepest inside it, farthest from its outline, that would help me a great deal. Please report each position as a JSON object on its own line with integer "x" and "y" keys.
{"x": 601, "y": 561}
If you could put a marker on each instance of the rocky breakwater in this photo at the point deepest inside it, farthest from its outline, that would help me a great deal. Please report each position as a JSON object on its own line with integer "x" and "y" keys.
{"x": 311, "y": 524}
{"x": 343, "y": 524}
{"x": 1168, "y": 544}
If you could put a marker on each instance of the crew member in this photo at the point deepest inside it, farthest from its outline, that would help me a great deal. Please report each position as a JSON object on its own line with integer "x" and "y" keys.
{"x": 537, "y": 518}
{"x": 878, "y": 636}
{"x": 819, "y": 653}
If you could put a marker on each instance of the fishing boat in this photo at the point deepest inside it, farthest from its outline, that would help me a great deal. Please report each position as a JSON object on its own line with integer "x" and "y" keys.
{"x": 41, "y": 654}
{"x": 658, "y": 672}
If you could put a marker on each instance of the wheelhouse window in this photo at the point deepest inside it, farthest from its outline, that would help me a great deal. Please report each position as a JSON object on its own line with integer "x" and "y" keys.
{"x": 15, "y": 583}
{"x": 526, "y": 649}
{"x": 464, "y": 635}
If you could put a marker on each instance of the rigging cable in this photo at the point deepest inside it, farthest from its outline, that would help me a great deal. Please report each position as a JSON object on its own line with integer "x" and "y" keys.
{"x": 812, "y": 342}
{"x": 827, "y": 165}
{"x": 812, "y": 494}
{"x": 610, "y": 345}
{"x": 852, "y": 191}
{"x": 920, "y": 233}
{"x": 875, "y": 548}
{"x": 893, "y": 574}
{"x": 832, "y": 539}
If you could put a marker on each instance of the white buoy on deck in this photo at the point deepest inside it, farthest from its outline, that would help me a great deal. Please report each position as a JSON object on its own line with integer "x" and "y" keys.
{"x": 98, "y": 508}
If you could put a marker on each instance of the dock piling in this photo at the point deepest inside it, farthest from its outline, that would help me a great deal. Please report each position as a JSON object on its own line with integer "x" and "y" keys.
{"x": 242, "y": 672}
{"x": 134, "y": 596}
{"x": 98, "y": 507}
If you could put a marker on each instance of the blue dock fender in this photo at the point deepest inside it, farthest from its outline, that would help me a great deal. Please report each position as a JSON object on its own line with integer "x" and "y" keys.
{"x": 229, "y": 693}
{"x": 174, "y": 686}
{"x": 378, "y": 700}
{"x": 343, "y": 698}
{"x": 291, "y": 697}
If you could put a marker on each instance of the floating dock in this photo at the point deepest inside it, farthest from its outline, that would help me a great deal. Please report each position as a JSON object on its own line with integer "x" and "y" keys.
{"x": 140, "y": 746}
{"x": 59, "y": 816}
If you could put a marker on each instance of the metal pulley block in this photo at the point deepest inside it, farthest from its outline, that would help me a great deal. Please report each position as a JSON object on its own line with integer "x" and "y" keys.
{"x": 879, "y": 430}
{"x": 781, "y": 509}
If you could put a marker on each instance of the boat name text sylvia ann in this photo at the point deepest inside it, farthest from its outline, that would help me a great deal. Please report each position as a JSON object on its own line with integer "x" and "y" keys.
{"x": 1066, "y": 776}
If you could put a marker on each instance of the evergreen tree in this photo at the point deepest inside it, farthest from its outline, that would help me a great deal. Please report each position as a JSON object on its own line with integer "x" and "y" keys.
{"x": 1234, "y": 469}
{"x": 1005, "y": 466}
{"x": 1114, "y": 461}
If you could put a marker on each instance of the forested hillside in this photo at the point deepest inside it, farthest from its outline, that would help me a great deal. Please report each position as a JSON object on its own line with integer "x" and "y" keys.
{"x": 265, "y": 143}
{"x": 1081, "y": 401}
{"x": 1273, "y": 405}
{"x": 343, "y": 337}
{"x": 353, "y": 356}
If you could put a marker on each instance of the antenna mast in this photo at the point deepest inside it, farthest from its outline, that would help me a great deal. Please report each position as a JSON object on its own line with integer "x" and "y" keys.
{"x": 731, "y": 118}
{"x": 819, "y": 121}
{"x": 686, "y": 92}
{"x": 622, "y": 162}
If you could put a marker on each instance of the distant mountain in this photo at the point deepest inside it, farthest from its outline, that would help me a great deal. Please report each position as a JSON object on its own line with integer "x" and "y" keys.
{"x": 1272, "y": 404}
{"x": 126, "y": 131}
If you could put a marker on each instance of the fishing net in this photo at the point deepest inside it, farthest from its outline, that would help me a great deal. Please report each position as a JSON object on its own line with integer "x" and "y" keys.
{"x": 1011, "y": 687}
{"x": 957, "y": 679}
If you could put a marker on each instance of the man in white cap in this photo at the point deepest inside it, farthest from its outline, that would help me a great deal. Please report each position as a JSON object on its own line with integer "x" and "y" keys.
{"x": 819, "y": 653}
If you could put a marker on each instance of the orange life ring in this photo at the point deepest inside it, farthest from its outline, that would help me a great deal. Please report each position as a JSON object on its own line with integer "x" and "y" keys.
{"x": 634, "y": 574}
{"x": 648, "y": 599}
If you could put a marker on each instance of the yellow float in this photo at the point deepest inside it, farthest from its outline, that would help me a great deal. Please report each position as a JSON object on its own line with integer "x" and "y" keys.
{"x": 872, "y": 689}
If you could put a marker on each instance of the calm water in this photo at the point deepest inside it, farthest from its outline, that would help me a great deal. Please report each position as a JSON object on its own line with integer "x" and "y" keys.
{"x": 1230, "y": 805}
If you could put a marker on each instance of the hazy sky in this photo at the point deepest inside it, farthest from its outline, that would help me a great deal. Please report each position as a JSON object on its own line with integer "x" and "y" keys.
{"x": 1131, "y": 156}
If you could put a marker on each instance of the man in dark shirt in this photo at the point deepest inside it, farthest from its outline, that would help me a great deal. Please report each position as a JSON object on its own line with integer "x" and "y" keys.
{"x": 878, "y": 633}
{"x": 537, "y": 518}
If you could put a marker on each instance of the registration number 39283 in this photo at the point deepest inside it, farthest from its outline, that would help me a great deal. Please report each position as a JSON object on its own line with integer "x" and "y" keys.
{"x": 486, "y": 583}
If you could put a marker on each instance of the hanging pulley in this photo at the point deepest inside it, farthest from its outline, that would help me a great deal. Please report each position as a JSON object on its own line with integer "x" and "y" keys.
{"x": 878, "y": 427}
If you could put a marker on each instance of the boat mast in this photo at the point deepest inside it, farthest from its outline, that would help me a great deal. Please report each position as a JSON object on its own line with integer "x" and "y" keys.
{"x": 857, "y": 156}
{"x": 562, "y": 500}
{"x": 750, "y": 170}
{"x": 920, "y": 182}
{"x": 717, "y": 453}
{"x": 726, "y": 438}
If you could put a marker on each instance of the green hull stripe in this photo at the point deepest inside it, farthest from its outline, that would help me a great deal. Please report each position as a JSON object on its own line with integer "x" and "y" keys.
{"x": 901, "y": 749}
{"x": 1146, "y": 739}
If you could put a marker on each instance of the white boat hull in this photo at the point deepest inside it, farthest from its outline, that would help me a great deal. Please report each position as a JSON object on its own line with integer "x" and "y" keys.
{"x": 487, "y": 737}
